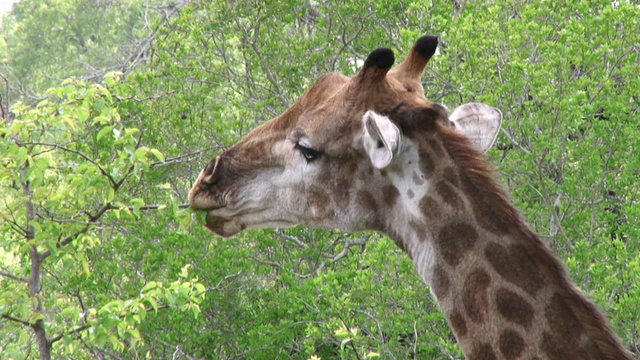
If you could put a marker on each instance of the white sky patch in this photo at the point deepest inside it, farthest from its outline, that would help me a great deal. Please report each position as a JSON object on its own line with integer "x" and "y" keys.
{"x": 6, "y": 5}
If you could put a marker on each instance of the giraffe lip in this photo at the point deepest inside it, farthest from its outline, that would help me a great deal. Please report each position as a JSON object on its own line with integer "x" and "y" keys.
{"x": 207, "y": 202}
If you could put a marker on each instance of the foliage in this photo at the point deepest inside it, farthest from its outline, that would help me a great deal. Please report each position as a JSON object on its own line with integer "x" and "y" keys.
{"x": 74, "y": 169}
{"x": 564, "y": 75}
{"x": 44, "y": 42}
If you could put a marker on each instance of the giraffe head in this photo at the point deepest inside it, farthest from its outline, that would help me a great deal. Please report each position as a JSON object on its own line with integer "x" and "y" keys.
{"x": 330, "y": 158}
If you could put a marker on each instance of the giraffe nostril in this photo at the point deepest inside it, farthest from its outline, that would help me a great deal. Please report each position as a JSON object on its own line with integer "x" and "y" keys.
{"x": 208, "y": 174}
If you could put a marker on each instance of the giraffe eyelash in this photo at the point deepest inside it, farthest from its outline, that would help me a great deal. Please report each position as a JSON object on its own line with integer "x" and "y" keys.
{"x": 308, "y": 153}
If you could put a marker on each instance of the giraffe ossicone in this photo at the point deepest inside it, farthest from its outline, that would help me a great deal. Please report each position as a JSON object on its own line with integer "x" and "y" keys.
{"x": 372, "y": 153}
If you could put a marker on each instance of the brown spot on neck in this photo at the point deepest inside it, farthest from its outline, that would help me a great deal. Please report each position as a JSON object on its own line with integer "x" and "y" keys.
{"x": 562, "y": 320}
{"x": 475, "y": 295}
{"x": 429, "y": 207}
{"x": 514, "y": 308}
{"x": 557, "y": 348}
{"x": 450, "y": 174}
{"x": 417, "y": 179}
{"x": 511, "y": 344}
{"x": 410, "y": 194}
{"x": 458, "y": 324}
{"x": 365, "y": 201}
{"x": 440, "y": 283}
{"x": 489, "y": 201}
{"x": 390, "y": 195}
{"x": 455, "y": 241}
{"x": 482, "y": 351}
{"x": 428, "y": 164}
{"x": 449, "y": 195}
{"x": 515, "y": 265}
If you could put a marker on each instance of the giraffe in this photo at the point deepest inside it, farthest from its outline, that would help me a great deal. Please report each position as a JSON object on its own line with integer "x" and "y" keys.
{"x": 372, "y": 153}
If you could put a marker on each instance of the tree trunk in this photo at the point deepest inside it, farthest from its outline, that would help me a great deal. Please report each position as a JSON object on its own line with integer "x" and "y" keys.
{"x": 44, "y": 346}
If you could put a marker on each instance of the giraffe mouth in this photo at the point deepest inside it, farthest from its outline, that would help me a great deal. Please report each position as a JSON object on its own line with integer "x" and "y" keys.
{"x": 229, "y": 226}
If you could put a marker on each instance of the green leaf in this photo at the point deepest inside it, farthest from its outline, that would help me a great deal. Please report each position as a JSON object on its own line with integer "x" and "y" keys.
{"x": 157, "y": 154}
{"x": 149, "y": 286}
{"x": 110, "y": 194}
{"x": 104, "y": 131}
{"x": 141, "y": 153}
{"x": 153, "y": 303}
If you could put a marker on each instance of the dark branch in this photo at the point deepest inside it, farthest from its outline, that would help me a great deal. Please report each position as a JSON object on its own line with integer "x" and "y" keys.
{"x": 70, "y": 238}
{"x": 74, "y": 331}
{"x": 73, "y": 151}
{"x": 11, "y": 318}
{"x": 13, "y": 277}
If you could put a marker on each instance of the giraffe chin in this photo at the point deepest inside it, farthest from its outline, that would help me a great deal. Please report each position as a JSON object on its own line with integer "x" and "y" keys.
{"x": 223, "y": 226}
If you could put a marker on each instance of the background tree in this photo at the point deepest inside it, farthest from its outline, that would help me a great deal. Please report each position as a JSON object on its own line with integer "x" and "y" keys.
{"x": 46, "y": 42}
{"x": 74, "y": 177}
{"x": 563, "y": 75}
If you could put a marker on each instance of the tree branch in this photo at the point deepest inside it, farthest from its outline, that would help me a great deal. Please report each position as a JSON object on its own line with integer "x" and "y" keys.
{"x": 44, "y": 347}
{"x": 217, "y": 286}
{"x": 292, "y": 239}
{"x": 345, "y": 248}
{"x": 179, "y": 353}
{"x": 87, "y": 326}
{"x": 70, "y": 238}
{"x": 73, "y": 151}
{"x": 13, "y": 222}
{"x": 13, "y": 277}
{"x": 74, "y": 331}
{"x": 514, "y": 142}
{"x": 155, "y": 207}
{"x": 3, "y": 114}
{"x": 150, "y": 97}
{"x": 179, "y": 158}
{"x": 11, "y": 318}
{"x": 267, "y": 70}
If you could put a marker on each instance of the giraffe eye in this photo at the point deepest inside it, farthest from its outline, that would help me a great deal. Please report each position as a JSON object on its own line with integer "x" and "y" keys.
{"x": 309, "y": 154}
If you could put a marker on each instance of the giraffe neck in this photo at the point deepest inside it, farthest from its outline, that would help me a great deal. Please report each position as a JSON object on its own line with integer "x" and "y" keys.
{"x": 501, "y": 289}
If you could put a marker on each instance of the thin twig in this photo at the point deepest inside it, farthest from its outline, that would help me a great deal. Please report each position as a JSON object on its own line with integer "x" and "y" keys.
{"x": 292, "y": 238}
{"x": 179, "y": 158}
{"x": 514, "y": 142}
{"x": 3, "y": 114}
{"x": 13, "y": 277}
{"x": 217, "y": 286}
{"x": 70, "y": 238}
{"x": 73, "y": 331}
{"x": 345, "y": 248}
{"x": 11, "y": 318}
{"x": 73, "y": 151}
{"x": 150, "y": 97}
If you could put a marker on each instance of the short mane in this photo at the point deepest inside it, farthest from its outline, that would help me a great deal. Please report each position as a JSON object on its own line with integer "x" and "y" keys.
{"x": 480, "y": 175}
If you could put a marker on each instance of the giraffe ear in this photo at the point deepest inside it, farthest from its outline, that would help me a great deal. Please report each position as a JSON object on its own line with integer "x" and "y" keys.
{"x": 480, "y": 123}
{"x": 381, "y": 139}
